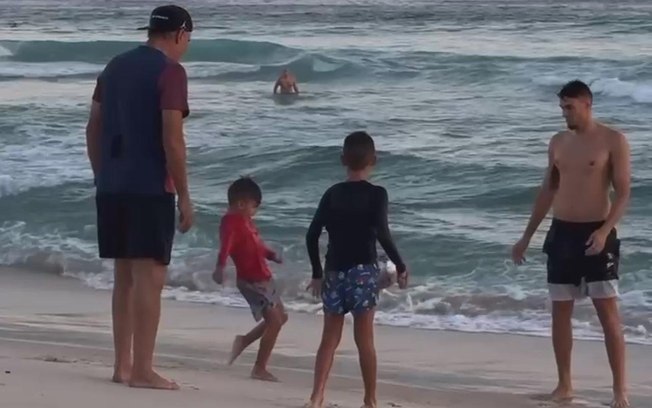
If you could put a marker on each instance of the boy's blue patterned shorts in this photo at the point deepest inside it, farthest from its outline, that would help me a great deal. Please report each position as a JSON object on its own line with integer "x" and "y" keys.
{"x": 354, "y": 290}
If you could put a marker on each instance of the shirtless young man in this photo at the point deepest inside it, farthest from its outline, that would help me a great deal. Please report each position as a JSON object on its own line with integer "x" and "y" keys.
{"x": 582, "y": 247}
{"x": 287, "y": 82}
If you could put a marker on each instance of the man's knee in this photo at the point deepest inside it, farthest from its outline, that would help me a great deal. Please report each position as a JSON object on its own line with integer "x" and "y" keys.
{"x": 608, "y": 313}
{"x": 562, "y": 310}
{"x": 122, "y": 278}
{"x": 150, "y": 274}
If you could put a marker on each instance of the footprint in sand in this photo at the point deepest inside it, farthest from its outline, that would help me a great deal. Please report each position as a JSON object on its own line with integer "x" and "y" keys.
{"x": 50, "y": 359}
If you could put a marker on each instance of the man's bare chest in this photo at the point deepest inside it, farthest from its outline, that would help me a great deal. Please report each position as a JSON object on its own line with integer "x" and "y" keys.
{"x": 581, "y": 159}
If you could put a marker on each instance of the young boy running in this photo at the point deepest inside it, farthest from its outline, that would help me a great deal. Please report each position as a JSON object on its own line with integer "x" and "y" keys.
{"x": 354, "y": 213}
{"x": 239, "y": 239}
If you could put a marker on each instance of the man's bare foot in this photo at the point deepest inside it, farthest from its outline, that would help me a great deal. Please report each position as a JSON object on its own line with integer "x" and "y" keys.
{"x": 563, "y": 393}
{"x": 152, "y": 380}
{"x": 263, "y": 375}
{"x": 620, "y": 400}
{"x": 121, "y": 376}
{"x": 237, "y": 349}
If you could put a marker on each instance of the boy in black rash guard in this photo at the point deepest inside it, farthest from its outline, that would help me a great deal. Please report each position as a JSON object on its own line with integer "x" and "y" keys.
{"x": 355, "y": 215}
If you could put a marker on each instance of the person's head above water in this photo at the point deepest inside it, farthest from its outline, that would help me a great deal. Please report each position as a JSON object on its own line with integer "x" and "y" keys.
{"x": 359, "y": 152}
{"x": 169, "y": 30}
{"x": 576, "y": 102}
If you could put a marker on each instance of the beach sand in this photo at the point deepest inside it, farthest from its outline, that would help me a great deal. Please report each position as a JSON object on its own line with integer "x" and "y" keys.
{"x": 56, "y": 351}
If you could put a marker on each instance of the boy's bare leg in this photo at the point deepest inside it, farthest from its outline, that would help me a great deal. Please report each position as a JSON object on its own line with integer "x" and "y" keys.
{"x": 364, "y": 339}
{"x": 122, "y": 310}
{"x": 562, "y": 341}
{"x": 149, "y": 279}
{"x": 331, "y": 336}
{"x": 615, "y": 342}
{"x": 241, "y": 343}
{"x": 275, "y": 317}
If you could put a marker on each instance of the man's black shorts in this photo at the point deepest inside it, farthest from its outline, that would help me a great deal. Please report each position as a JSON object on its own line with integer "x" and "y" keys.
{"x": 566, "y": 244}
{"x": 132, "y": 226}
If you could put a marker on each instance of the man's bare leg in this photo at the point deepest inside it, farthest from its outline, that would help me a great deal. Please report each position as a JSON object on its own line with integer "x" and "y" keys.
{"x": 331, "y": 336}
{"x": 364, "y": 339}
{"x": 149, "y": 279}
{"x": 122, "y": 311}
{"x": 275, "y": 317}
{"x": 615, "y": 342}
{"x": 562, "y": 340}
{"x": 241, "y": 343}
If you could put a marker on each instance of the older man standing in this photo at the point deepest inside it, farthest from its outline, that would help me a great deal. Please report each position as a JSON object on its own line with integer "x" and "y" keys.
{"x": 137, "y": 151}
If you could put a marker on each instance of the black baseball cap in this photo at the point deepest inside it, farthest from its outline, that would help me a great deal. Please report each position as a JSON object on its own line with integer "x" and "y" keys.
{"x": 165, "y": 19}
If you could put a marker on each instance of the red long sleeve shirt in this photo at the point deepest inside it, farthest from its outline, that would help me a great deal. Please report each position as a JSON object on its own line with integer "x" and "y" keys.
{"x": 239, "y": 239}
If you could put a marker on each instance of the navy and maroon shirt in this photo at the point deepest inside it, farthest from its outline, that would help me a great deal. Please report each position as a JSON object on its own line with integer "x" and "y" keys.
{"x": 133, "y": 90}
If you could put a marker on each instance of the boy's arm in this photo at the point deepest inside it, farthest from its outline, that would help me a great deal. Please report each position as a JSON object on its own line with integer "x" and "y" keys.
{"x": 312, "y": 237}
{"x": 227, "y": 237}
{"x": 384, "y": 236}
{"x": 271, "y": 255}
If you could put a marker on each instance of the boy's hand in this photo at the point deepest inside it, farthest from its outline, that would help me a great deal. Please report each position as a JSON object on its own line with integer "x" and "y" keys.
{"x": 402, "y": 280}
{"x": 315, "y": 288}
{"x": 218, "y": 275}
{"x": 276, "y": 258}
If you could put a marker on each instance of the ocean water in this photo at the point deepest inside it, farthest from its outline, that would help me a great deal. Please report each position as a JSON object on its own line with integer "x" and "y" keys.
{"x": 460, "y": 96}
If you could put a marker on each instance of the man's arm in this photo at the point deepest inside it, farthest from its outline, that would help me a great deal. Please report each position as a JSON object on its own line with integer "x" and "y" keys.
{"x": 546, "y": 193}
{"x": 173, "y": 85}
{"x": 295, "y": 87}
{"x": 276, "y": 86}
{"x": 94, "y": 128}
{"x": 93, "y": 134}
{"x": 175, "y": 150}
{"x": 621, "y": 180}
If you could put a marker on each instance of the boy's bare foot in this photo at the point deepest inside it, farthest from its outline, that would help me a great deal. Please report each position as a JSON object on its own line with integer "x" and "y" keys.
{"x": 153, "y": 381}
{"x": 263, "y": 375}
{"x": 620, "y": 400}
{"x": 562, "y": 393}
{"x": 121, "y": 376}
{"x": 237, "y": 349}
{"x": 369, "y": 404}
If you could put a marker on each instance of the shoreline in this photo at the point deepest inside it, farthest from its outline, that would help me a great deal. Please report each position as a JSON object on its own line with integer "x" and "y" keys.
{"x": 46, "y": 320}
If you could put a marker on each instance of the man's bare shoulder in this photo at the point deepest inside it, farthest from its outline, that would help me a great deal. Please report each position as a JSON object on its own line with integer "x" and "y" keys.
{"x": 614, "y": 137}
{"x": 559, "y": 137}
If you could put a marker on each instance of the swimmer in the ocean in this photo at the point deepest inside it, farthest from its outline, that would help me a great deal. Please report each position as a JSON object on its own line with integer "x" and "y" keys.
{"x": 287, "y": 83}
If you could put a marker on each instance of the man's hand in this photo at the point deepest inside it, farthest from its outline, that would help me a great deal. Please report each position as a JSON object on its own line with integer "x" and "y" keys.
{"x": 518, "y": 250}
{"x": 596, "y": 242}
{"x": 186, "y": 214}
{"x": 315, "y": 287}
{"x": 218, "y": 275}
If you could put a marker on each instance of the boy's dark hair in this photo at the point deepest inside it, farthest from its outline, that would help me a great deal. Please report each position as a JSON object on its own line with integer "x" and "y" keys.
{"x": 359, "y": 151}
{"x": 575, "y": 89}
{"x": 244, "y": 188}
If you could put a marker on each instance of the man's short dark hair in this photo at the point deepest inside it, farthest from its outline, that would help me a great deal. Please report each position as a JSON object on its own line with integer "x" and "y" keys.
{"x": 575, "y": 89}
{"x": 359, "y": 150}
{"x": 244, "y": 188}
